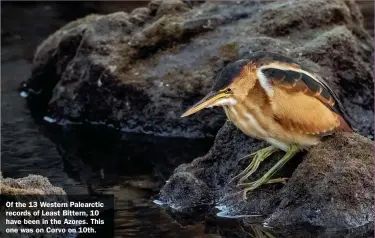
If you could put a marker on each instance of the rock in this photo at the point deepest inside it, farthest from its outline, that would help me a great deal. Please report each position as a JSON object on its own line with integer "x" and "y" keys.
{"x": 192, "y": 191}
{"x": 332, "y": 187}
{"x": 14, "y": 190}
{"x": 367, "y": 9}
{"x": 139, "y": 72}
{"x": 212, "y": 174}
{"x": 139, "y": 15}
{"x": 144, "y": 102}
{"x": 171, "y": 6}
{"x": 83, "y": 8}
{"x": 154, "y": 5}
{"x": 30, "y": 185}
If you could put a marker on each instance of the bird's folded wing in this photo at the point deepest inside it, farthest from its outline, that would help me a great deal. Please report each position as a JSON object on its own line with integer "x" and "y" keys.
{"x": 301, "y": 101}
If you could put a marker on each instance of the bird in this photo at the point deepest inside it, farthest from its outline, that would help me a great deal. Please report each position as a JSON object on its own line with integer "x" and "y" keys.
{"x": 272, "y": 97}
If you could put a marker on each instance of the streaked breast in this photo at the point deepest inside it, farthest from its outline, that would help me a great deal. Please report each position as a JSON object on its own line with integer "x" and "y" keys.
{"x": 243, "y": 119}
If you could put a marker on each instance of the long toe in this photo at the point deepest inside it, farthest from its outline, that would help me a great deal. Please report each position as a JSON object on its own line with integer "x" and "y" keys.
{"x": 258, "y": 157}
{"x": 266, "y": 178}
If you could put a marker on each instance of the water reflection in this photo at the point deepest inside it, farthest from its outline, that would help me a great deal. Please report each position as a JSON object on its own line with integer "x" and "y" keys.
{"x": 133, "y": 167}
{"x": 223, "y": 227}
{"x": 106, "y": 156}
{"x": 254, "y": 227}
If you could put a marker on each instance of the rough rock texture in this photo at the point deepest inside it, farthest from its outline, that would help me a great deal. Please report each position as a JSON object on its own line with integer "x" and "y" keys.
{"x": 36, "y": 188}
{"x": 106, "y": 69}
{"x": 340, "y": 186}
{"x": 331, "y": 188}
{"x": 140, "y": 71}
{"x": 30, "y": 185}
{"x": 214, "y": 171}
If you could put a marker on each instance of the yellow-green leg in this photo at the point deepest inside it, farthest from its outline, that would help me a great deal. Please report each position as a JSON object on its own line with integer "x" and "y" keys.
{"x": 266, "y": 178}
{"x": 258, "y": 157}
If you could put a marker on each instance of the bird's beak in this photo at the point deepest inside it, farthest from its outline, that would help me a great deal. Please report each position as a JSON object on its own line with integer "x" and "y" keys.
{"x": 205, "y": 102}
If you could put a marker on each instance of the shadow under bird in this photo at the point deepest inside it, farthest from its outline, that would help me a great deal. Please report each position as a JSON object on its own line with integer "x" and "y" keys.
{"x": 273, "y": 98}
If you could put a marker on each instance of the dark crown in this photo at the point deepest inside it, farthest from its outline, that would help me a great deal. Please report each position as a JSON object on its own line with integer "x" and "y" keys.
{"x": 226, "y": 76}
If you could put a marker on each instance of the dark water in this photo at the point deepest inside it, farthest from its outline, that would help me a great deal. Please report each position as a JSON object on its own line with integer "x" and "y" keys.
{"x": 84, "y": 159}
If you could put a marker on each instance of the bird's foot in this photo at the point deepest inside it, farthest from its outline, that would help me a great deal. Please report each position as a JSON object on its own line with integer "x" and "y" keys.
{"x": 258, "y": 157}
{"x": 266, "y": 178}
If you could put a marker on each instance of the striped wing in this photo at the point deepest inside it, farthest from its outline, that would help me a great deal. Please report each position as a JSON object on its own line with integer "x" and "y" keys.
{"x": 302, "y": 101}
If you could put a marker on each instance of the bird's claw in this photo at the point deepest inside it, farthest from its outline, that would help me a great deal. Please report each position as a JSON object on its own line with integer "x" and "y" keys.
{"x": 258, "y": 157}
{"x": 266, "y": 178}
{"x": 248, "y": 168}
{"x": 278, "y": 180}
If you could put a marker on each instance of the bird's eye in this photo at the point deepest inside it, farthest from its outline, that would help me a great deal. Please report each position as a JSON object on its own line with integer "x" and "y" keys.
{"x": 228, "y": 91}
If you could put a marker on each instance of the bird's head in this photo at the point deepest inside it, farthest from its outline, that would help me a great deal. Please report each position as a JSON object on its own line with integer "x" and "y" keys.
{"x": 232, "y": 83}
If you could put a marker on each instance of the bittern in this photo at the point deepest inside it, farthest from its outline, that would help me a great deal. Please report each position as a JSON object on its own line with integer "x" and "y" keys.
{"x": 273, "y": 98}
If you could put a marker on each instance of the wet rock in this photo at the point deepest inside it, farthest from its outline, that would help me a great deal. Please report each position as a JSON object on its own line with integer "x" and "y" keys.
{"x": 332, "y": 187}
{"x": 215, "y": 171}
{"x": 192, "y": 191}
{"x": 96, "y": 56}
{"x": 140, "y": 71}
